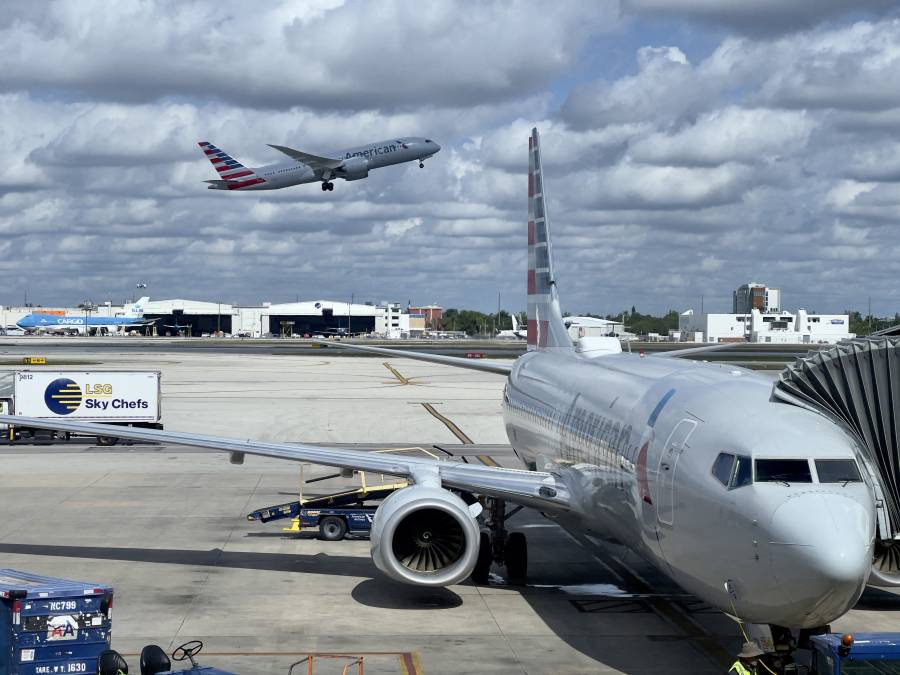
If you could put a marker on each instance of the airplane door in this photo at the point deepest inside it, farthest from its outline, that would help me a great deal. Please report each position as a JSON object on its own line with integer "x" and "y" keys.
{"x": 668, "y": 463}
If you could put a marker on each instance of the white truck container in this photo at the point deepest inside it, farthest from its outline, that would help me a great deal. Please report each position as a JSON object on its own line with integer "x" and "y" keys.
{"x": 130, "y": 398}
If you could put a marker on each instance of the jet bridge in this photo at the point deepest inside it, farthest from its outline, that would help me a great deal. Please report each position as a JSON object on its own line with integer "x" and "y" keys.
{"x": 857, "y": 384}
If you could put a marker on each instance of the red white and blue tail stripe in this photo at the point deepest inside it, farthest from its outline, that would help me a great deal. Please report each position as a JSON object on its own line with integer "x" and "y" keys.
{"x": 232, "y": 173}
{"x": 546, "y": 330}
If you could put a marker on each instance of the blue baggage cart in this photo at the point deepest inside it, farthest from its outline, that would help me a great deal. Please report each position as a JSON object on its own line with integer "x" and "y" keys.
{"x": 52, "y": 626}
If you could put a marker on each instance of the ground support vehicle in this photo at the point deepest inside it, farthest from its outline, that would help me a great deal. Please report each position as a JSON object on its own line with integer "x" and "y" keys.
{"x": 50, "y": 626}
{"x": 129, "y": 398}
{"x": 857, "y": 654}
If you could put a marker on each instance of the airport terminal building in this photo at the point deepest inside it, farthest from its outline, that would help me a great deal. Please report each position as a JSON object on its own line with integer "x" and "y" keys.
{"x": 765, "y": 327}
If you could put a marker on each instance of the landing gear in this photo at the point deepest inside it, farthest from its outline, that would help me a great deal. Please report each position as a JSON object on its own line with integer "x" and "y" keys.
{"x": 421, "y": 165}
{"x": 327, "y": 185}
{"x": 498, "y": 545}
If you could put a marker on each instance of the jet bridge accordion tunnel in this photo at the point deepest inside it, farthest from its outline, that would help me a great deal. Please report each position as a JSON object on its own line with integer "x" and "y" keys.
{"x": 857, "y": 384}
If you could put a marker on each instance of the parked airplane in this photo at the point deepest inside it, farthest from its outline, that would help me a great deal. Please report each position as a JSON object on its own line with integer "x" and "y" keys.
{"x": 38, "y": 322}
{"x": 756, "y": 506}
{"x": 515, "y": 333}
{"x": 350, "y": 164}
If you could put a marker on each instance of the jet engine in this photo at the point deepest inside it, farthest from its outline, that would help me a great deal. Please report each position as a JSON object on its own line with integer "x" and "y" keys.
{"x": 886, "y": 568}
{"x": 425, "y": 536}
{"x": 354, "y": 168}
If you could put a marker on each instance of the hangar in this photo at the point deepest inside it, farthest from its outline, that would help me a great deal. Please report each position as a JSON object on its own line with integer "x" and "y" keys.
{"x": 316, "y": 317}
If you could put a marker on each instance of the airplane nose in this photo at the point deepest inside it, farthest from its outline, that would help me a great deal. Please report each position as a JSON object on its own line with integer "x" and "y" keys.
{"x": 821, "y": 547}
{"x": 437, "y": 147}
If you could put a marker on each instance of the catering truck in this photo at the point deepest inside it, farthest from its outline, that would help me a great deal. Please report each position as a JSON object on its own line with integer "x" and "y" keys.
{"x": 129, "y": 398}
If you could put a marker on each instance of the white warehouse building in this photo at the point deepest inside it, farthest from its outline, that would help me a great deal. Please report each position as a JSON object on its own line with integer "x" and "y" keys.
{"x": 762, "y": 327}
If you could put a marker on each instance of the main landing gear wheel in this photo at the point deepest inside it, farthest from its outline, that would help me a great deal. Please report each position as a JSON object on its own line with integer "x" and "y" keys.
{"x": 332, "y": 528}
{"x": 501, "y": 547}
{"x": 516, "y": 558}
{"x": 327, "y": 186}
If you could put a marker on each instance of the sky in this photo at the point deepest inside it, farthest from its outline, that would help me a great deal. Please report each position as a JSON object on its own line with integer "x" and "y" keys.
{"x": 690, "y": 146}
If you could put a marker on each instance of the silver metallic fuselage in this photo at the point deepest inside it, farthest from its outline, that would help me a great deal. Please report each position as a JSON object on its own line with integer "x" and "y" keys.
{"x": 638, "y": 438}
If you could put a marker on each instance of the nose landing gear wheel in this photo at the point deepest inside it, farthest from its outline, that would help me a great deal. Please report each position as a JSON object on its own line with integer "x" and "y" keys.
{"x": 421, "y": 165}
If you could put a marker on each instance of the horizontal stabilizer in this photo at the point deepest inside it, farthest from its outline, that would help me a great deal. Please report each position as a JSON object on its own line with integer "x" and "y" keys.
{"x": 312, "y": 161}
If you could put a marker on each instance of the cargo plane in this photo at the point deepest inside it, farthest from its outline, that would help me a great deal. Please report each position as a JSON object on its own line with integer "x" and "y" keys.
{"x": 38, "y": 322}
{"x": 303, "y": 167}
{"x": 757, "y": 507}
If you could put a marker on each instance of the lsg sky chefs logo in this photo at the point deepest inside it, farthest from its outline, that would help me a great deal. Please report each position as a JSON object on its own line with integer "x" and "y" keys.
{"x": 63, "y": 396}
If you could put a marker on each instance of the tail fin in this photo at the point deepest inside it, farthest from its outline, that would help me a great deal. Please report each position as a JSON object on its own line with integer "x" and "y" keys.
{"x": 229, "y": 168}
{"x": 546, "y": 331}
{"x": 515, "y": 322}
{"x": 136, "y": 311}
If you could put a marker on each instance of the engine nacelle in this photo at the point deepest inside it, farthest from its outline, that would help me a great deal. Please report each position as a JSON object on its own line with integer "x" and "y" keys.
{"x": 354, "y": 168}
{"x": 886, "y": 568}
{"x": 425, "y": 536}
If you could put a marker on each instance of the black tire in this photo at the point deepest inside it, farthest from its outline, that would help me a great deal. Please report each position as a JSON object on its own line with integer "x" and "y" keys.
{"x": 516, "y": 558}
{"x": 107, "y": 440}
{"x": 332, "y": 528}
{"x": 482, "y": 570}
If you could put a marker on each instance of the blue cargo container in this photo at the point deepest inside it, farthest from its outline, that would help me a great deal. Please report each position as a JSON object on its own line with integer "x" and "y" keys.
{"x": 51, "y": 626}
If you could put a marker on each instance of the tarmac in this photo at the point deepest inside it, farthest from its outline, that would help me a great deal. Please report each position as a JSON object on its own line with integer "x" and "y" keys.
{"x": 167, "y": 527}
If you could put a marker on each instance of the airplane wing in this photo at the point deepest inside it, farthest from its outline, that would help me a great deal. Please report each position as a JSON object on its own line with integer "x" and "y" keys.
{"x": 488, "y": 366}
{"x": 314, "y": 162}
{"x": 542, "y": 490}
{"x": 677, "y": 353}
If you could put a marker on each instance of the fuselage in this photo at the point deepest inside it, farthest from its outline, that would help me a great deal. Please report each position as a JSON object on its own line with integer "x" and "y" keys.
{"x": 358, "y": 162}
{"x": 645, "y": 443}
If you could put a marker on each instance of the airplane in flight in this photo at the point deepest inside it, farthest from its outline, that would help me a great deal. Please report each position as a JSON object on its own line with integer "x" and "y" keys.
{"x": 38, "y": 322}
{"x": 755, "y": 506}
{"x": 515, "y": 334}
{"x": 350, "y": 164}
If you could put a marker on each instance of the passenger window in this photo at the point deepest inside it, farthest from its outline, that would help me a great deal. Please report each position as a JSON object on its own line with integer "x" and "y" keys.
{"x": 722, "y": 468}
{"x": 837, "y": 471}
{"x": 783, "y": 471}
{"x": 743, "y": 472}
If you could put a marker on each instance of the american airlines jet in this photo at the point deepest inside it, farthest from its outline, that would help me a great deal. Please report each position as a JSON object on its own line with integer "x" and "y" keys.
{"x": 350, "y": 164}
{"x": 38, "y": 322}
{"x": 755, "y": 506}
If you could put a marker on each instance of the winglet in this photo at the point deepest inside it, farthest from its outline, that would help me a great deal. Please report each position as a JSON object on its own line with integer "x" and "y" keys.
{"x": 546, "y": 330}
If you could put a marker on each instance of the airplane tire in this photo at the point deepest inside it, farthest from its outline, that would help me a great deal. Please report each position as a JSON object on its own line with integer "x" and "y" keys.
{"x": 482, "y": 570}
{"x": 516, "y": 558}
{"x": 332, "y": 528}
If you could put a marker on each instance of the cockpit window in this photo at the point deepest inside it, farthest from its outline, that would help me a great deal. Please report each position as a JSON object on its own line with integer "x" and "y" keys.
{"x": 428, "y": 140}
{"x": 743, "y": 472}
{"x": 783, "y": 471}
{"x": 837, "y": 470}
{"x": 722, "y": 468}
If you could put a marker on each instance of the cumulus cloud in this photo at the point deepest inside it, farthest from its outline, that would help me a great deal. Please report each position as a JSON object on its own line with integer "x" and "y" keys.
{"x": 327, "y": 54}
{"x": 760, "y": 17}
{"x": 772, "y": 159}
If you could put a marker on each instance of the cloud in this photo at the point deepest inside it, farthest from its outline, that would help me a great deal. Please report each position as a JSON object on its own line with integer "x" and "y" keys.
{"x": 759, "y": 17}
{"x": 322, "y": 55}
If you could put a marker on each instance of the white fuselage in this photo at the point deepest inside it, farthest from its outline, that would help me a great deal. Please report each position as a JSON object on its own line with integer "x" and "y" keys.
{"x": 640, "y": 436}
{"x": 359, "y": 161}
